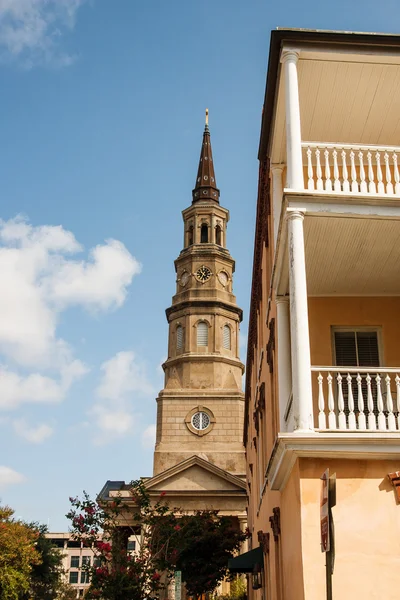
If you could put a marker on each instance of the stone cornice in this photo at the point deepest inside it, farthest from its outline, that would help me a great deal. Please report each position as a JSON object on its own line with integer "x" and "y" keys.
{"x": 198, "y": 304}
{"x": 210, "y": 357}
{"x": 352, "y": 446}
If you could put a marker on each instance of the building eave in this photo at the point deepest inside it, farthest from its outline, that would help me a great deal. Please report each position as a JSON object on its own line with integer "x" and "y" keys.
{"x": 350, "y": 446}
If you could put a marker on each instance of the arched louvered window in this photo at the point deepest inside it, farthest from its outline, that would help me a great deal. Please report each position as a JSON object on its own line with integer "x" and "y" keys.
{"x": 179, "y": 337}
{"x": 227, "y": 337}
{"x": 204, "y": 234}
{"x": 202, "y": 334}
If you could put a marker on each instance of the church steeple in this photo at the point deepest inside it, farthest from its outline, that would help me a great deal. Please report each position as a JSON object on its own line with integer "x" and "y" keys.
{"x": 206, "y": 185}
{"x": 200, "y": 409}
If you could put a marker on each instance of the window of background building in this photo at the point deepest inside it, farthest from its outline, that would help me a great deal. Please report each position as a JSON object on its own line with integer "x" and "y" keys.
{"x": 85, "y": 560}
{"x": 97, "y": 561}
{"x": 131, "y": 546}
{"x": 84, "y": 577}
{"x": 73, "y": 576}
{"x": 74, "y": 562}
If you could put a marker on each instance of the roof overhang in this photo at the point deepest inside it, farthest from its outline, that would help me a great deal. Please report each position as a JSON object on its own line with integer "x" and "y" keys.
{"x": 328, "y": 61}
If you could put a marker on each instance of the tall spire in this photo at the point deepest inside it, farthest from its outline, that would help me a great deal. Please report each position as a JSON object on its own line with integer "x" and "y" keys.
{"x": 206, "y": 185}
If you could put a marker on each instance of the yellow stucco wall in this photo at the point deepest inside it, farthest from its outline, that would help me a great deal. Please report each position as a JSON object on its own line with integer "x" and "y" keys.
{"x": 367, "y": 530}
{"x": 363, "y": 311}
{"x": 291, "y": 538}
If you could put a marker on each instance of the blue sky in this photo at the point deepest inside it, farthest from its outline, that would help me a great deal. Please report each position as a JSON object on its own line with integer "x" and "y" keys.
{"x": 102, "y": 111}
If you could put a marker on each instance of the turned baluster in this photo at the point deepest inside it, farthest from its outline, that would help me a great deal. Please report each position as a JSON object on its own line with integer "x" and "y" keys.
{"x": 328, "y": 181}
{"x": 320, "y": 183}
{"x": 389, "y": 405}
{"x": 310, "y": 169}
{"x": 321, "y": 404}
{"x": 331, "y": 404}
{"x": 379, "y": 402}
{"x": 336, "y": 185}
{"x": 363, "y": 183}
{"x": 379, "y": 176}
{"x": 353, "y": 172}
{"x": 346, "y": 185}
{"x": 389, "y": 184}
{"x": 396, "y": 175}
{"x": 371, "y": 176}
{"x": 350, "y": 400}
{"x": 370, "y": 404}
{"x": 342, "y": 416}
{"x": 398, "y": 400}
{"x": 362, "y": 422}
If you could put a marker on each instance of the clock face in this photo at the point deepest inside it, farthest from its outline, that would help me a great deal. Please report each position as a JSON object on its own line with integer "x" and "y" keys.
{"x": 184, "y": 278}
{"x": 203, "y": 274}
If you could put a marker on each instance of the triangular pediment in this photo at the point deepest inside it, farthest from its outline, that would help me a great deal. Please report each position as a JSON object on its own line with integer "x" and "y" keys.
{"x": 195, "y": 475}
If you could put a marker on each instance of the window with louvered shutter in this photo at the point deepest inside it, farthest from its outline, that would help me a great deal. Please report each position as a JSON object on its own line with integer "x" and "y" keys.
{"x": 202, "y": 334}
{"x": 358, "y": 349}
{"x": 227, "y": 337}
{"x": 179, "y": 337}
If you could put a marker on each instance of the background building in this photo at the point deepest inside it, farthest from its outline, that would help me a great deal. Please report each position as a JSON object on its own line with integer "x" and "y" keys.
{"x": 75, "y": 557}
{"x": 323, "y": 369}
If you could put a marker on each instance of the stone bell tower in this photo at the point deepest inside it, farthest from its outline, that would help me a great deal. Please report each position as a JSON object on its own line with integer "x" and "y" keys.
{"x": 200, "y": 410}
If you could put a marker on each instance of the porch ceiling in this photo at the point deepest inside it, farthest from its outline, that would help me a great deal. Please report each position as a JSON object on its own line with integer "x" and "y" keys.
{"x": 343, "y": 100}
{"x": 352, "y": 256}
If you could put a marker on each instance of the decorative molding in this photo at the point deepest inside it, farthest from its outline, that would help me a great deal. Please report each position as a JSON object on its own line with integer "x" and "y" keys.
{"x": 261, "y": 241}
{"x": 290, "y": 55}
{"x": 275, "y": 521}
{"x": 395, "y": 480}
{"x": 291, "y": 446}
{"x": 271, "y": 345}
{"x": 263, "y": 539}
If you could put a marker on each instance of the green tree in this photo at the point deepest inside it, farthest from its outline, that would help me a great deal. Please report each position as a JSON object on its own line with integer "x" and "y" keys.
{"x": 46, "y": 576}
{"x": 199, "y": 545}
{"x": 18, "y": 555}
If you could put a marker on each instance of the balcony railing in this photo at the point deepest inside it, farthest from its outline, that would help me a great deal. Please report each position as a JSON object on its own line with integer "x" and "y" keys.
{"x": 352, "y": 169}
{"x": 355, "y": 398}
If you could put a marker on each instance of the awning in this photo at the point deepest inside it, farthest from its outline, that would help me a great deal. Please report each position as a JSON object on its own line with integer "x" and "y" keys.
{"x": 244, "y": 563}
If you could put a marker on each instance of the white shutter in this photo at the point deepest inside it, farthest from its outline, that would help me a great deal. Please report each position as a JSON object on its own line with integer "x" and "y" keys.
{"x": 179, "y": 337}
{"x": 202, "y": 334}
{"x": 227, "y": 337}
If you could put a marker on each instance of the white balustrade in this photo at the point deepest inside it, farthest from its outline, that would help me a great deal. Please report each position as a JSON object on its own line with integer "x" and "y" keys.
{"x": 363, "y": 169}
{"x": 355, "y": 398}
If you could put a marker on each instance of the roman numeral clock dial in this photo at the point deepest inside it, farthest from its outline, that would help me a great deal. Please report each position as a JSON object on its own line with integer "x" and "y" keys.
{"x": 202, "y": 274}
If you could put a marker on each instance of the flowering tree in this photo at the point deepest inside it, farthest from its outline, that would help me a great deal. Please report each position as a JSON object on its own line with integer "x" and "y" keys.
{"x": 199, "y": 545}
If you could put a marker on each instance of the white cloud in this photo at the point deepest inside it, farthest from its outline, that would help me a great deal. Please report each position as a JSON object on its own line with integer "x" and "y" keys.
{"x": 31, "y": 30}
{"x": 40, "y": 279}
{"x": 124, "y": 380}
{"x": 35, "y": 435}
{"x": 9, "y": 477}
{"x": 149, "y": 436}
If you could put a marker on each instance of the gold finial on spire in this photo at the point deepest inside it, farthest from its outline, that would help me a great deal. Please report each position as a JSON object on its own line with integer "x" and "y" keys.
{"x": 206, "y": 116}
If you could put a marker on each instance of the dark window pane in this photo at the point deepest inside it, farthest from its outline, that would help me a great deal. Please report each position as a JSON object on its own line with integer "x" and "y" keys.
{"x": 367, "y": 347}
{"x": 345, "y": 347}
{"x": 84, "y": 577}
{"x": 73, "y": 577}
{"x": 85, "y": 560}
{"x": 131, "y": 546}
{"x": 74, "y": 562}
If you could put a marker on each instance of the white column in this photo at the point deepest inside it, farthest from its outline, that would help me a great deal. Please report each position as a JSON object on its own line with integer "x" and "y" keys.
{"x": 284, "y": 357}
{"x": 295, "y": 179}
{"x": 299, "y": 333}
{"x": 277, "y": 197}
